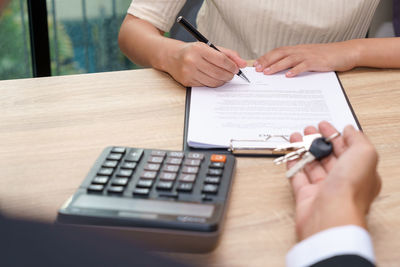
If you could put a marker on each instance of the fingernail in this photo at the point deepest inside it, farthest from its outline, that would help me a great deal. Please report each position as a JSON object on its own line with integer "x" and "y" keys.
{"x": 267, "y": 70}
{"x": 255, "y": 64}
{"x": 289, "y": 74}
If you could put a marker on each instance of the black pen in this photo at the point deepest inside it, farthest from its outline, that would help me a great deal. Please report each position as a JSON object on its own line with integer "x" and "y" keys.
{"x": 196, "y": 34}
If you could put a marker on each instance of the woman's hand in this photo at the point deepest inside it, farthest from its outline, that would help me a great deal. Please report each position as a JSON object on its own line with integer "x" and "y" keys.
{"x": 197, "y": 64}
{"x": 191, "y": 64}
{"x": 340, "y": 56}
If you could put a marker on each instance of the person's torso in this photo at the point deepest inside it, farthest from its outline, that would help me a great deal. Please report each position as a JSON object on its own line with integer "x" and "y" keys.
{"x": 253, "y": 27}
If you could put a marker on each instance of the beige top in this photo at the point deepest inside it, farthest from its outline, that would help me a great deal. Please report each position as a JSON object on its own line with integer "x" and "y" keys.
{"x": 253, "y": 27}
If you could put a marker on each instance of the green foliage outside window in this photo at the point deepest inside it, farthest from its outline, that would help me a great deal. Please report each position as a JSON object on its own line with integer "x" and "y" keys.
{"x": 15, "y": 59}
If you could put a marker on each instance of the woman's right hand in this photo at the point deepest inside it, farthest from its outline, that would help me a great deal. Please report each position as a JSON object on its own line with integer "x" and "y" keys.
{"x": 197, "y": 64}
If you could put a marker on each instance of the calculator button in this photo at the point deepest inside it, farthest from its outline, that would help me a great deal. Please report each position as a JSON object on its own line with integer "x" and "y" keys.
{"x": 212, "y": 180}
{"x": 100, "y": 180}
{"x": 115, "y": 189}
{"x": 141, "y": 191}
{"x": 214, "y": 172}
{"x": 218, "y": 158}
{"x": 216, "y": 165}
{"x": 96, "y": 188}
{"x": 148, "y": 175}
{"x": 192, "y": 162}
{"x": 162, "y": 185}
{"x": 114, "y": 156}
{"x": 206, "y": 198}
{"x": 158, "y": 153}
{"x": 129, "y": 165}
{"x": 105, "y": 171}
{"x": 134, "y": 155}
{"x": 124, "y": 173}
{"x": 144, "y": 183}
{"x": 193, "y": 155}
{"x": 189, "y": 178}
{"x": 152, "y": 167}
{"x": 171, "y": 168}
{"x": 154, "y": 159}
{"x": 185, "y": 187}
{"x": 120, "y": 181}
{"x": 110, "y": 163}
{"x": 210, "y": 189}
{"x": 168, "y": 176}
{"x": 174, "y": 161}
{"x": 190, "y": 170}
{"x": 176, "y": 154}
{"x": 117, "y": 149}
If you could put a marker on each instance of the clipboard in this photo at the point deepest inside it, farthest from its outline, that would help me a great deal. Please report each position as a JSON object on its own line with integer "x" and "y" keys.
{"x": 240, "y": 147}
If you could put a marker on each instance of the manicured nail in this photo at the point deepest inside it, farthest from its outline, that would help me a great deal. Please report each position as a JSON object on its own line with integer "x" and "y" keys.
{"x": 289, "y": 74}
{"x": 255, "y": 64}
{"x": 267, "y": 70}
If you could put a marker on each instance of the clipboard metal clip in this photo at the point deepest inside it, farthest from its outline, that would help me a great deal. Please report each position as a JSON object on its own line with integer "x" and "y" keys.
{"x": 262, "y": 146}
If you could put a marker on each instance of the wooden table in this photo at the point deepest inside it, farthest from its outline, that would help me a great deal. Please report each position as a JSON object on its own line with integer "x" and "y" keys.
{"x": 52, "y": 130}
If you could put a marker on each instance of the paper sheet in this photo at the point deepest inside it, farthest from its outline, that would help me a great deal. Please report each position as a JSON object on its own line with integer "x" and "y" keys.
{"x": 269, "y": 105}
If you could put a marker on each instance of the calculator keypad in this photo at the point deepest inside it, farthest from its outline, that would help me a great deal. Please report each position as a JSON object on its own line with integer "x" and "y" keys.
{"x": 145, "y": 173}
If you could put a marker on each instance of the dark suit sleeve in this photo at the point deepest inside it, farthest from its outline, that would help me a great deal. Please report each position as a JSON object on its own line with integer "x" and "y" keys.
{"x": 24, "y": 243}
{"x": 344, "y": 260}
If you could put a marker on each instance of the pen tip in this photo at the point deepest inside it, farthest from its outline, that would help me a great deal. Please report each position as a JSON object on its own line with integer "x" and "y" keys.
{"x": 179, "y": 19}
{"x": 245, "y": 78}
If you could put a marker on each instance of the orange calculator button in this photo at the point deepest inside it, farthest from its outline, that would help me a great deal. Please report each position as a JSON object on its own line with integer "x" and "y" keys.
{"x": 218, "y": 158}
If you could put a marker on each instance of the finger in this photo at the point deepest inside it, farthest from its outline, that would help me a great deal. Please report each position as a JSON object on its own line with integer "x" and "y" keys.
{"x": 233, "y": 55}
{"x": 351, "y": 136}
{"x": 314, "y": 169}
{"x": 214, "y": 71}
{"x": 299, "y": 179}
{"x": 270, "y": 58}
{"x": 296, "y": 70}
{"x": 361, "y": 145}
{"x": 206, "y": 80}
{"x": 219, "y": 59}
{"x": 328, "y": 130}
{"x": 338, "y": 143}
{"x": 193, "y": 83}
{"x": 378, "y": 184}
{"x": 310, "y": 130}
{"x": 282, "y": 64}
{"x": 295, "y": 137}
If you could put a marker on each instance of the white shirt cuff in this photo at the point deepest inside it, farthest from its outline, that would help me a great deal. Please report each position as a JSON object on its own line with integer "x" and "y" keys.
{"x": 342, "y": 240}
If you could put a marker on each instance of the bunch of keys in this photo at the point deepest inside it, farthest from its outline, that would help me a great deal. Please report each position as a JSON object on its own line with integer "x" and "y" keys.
{"x": 313, "y": 147}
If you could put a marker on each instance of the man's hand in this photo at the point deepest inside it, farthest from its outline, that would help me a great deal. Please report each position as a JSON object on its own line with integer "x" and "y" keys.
{"x": 339, "y": 189}
{"x": 340, "y": 56}
{"x": 197, "y": 64}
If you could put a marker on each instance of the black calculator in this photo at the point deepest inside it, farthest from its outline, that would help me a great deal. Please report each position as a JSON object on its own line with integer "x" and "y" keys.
{"x": 167, "y": 200}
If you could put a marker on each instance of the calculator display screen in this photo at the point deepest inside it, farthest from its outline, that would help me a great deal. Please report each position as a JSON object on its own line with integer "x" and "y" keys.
{"x": 143, "y": 205}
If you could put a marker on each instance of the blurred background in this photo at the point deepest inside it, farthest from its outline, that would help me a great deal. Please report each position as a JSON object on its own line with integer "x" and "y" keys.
{"x": 83, "y": 35}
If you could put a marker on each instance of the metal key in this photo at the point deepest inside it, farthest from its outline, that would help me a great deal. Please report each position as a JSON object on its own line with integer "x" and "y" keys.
{"x": 319, "y": 149}
{"x": 301, "y": 147}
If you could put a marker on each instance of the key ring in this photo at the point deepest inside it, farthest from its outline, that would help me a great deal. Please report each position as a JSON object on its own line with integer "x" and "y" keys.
{"x": 333, "y": 136}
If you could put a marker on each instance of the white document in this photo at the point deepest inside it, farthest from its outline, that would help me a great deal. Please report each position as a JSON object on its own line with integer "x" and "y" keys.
{"x": 269, "y": 105}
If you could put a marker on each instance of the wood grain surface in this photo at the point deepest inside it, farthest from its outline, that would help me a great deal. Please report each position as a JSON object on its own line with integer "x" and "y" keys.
{"x": 52, "y": 130}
